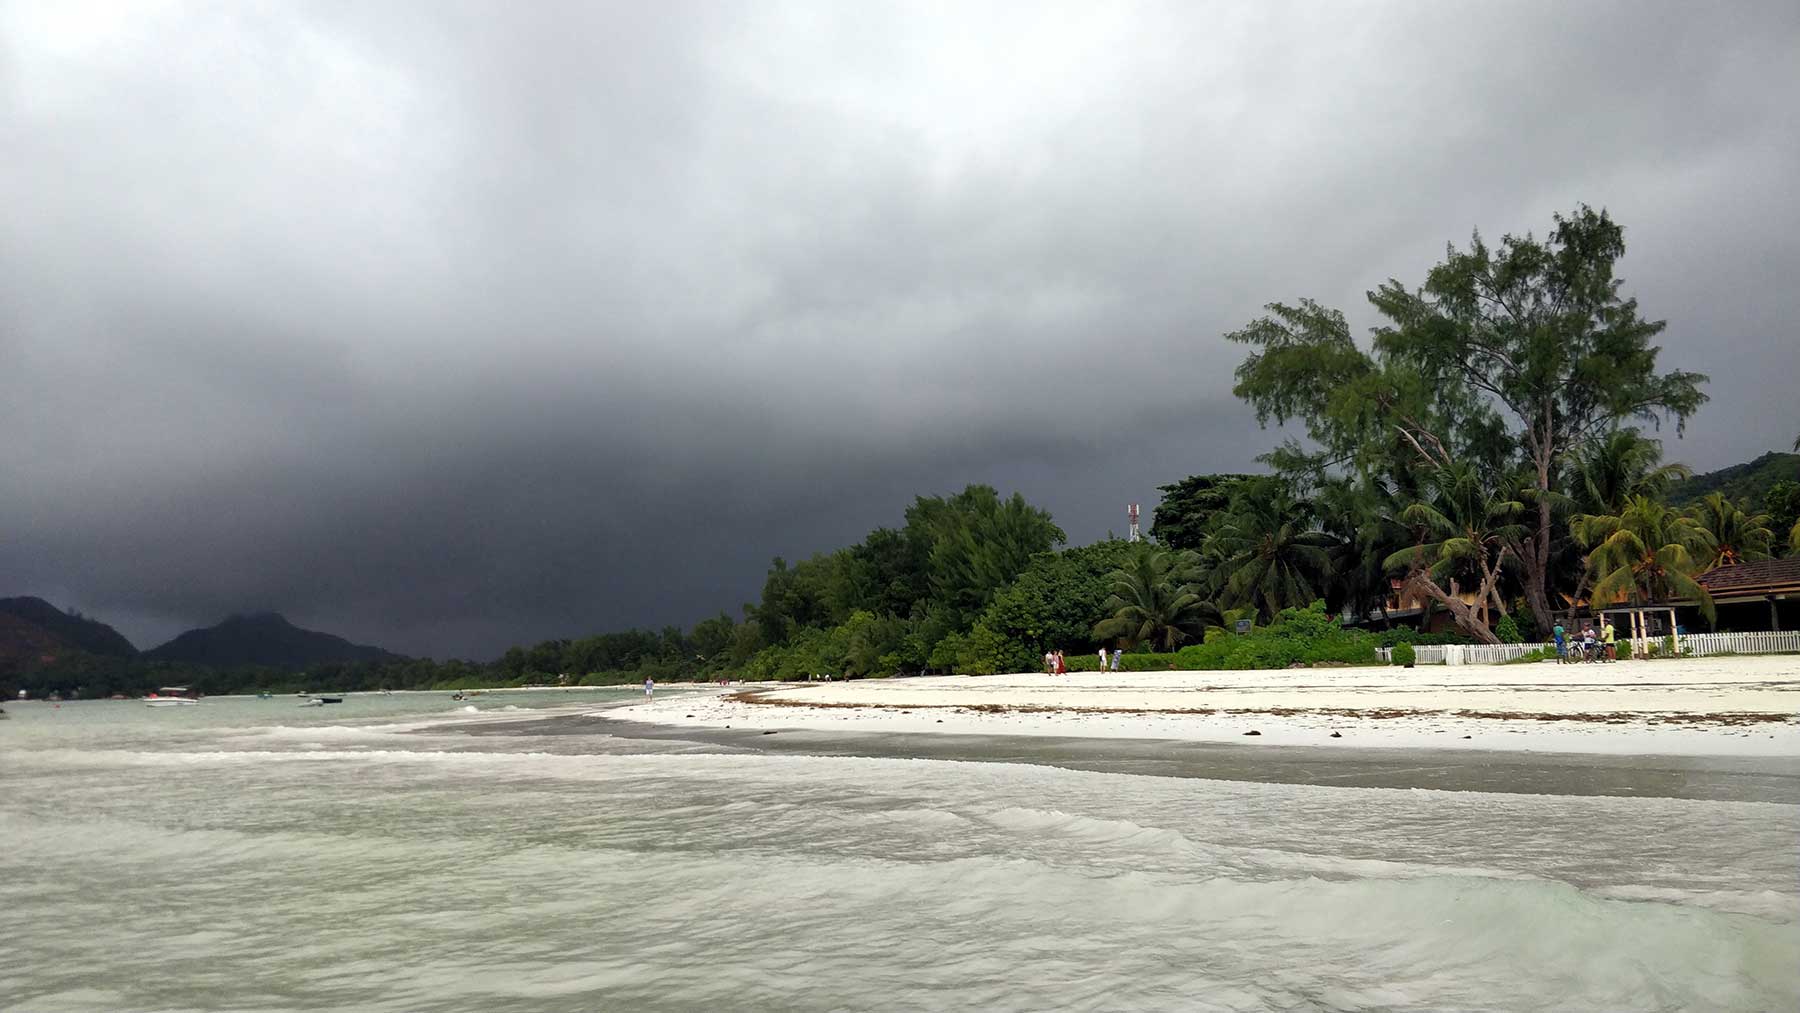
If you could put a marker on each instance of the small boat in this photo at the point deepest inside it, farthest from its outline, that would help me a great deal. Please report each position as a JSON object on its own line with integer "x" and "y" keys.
{"x": 173, "y": 696}
{"x": 320, "y": 701}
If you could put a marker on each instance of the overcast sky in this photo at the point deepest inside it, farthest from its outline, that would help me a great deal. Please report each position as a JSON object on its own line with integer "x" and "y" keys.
{"x": 448, "y": 326}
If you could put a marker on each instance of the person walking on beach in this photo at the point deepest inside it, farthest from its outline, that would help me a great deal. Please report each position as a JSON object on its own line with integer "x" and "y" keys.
{"x": 1609, "y": 638}
{"x": 1562, "y": 647}
{"x": 649, "y": 686}
{"x": 1102, "y": 667}
{"x": 1115, "y": 658}
{"x": 1049, "y": 662}
{"x": 1062, "y": 667}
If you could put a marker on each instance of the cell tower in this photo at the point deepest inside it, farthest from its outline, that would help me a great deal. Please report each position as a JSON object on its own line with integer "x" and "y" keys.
{"x": 1132, "y": 512}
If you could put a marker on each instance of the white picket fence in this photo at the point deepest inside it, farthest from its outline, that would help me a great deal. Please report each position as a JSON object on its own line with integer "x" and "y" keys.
{"x": 1702, "y": 644}
{"x": 1692, "y": 644}
{"x": 1464, "y": 654}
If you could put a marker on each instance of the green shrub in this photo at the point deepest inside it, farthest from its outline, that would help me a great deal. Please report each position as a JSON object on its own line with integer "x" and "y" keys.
{"x": 1507, "y": 629}
{"x": 1297, "y": 636}
{"x": 1404, "y": 654}
{"x": 1127, "y": 662}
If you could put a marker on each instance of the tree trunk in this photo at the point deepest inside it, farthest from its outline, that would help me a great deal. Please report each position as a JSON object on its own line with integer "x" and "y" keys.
{"x": 1535, "y": 559}
{"x": 1466, "y": 618}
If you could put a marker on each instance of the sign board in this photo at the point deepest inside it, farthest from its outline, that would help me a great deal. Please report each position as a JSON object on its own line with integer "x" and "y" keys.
{"x": 1243, "y": 626}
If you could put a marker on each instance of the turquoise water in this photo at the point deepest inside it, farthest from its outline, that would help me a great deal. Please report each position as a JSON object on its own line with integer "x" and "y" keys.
{"x": 251, "y": 854}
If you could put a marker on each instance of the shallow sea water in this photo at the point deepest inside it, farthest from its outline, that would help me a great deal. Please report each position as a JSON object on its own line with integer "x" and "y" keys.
{"x": 247, "y": 855}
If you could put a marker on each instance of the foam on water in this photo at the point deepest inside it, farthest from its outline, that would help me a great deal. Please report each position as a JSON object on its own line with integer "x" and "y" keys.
{"x": 396, "y": 866}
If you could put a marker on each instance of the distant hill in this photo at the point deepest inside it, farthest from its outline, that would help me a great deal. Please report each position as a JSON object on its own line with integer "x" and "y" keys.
{"x": 1745, "y": 482}
{"x": 265, "y": 639}
{"x": 34, "y": 632}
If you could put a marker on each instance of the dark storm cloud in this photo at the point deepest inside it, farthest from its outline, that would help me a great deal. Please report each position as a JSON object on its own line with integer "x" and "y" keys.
{"x": 447, "y": 326}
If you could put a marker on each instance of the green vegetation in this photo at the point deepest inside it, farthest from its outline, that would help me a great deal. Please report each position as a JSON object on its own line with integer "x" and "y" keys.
{"x": 1749, "y": 482}
{"x": 1156, "y": 600}
{"x": 1508, "y": 359}
{"x": 1647, "y": 552}
{"x": 1403, "y": 655}
{"x": 1298, "y": 636}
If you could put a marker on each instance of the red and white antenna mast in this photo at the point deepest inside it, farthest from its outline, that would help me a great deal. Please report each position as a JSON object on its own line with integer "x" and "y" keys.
{"x": 1132, "y": 512}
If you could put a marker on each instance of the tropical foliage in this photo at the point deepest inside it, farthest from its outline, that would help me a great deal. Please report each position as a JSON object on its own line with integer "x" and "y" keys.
{"x": 1512, "y": 357}
{"x": 1647, "y": 552}
{"x": 1156, "y": 599}
{"x": 1733, "y": 534}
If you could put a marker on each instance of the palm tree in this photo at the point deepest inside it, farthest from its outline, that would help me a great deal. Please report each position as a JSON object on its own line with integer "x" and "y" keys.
{"x": 1359, "y": 515}
{"x": 1268, "y": 553}
{"x": 1737, "y": 537}
{"x": 1155, "y": 599}
{"x": 1464, "y": 526}
{"x": 1645, "y": 553}
{"x": 1622, "y": 464}
{"x": 1603, "y": 476}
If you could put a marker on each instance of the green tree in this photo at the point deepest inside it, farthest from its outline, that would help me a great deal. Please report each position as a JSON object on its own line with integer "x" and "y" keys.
{"x": 1059, "y": 598}
{"x": 1180, "y": 521}
{"x": 1646, "y": 553}
{"x": 1267, "y": 554}
{"x": 1464, "y": 527}
{"x": 1623, "y": 463}
{"x": 1361, "y": 518}
{"x": 1782, "y": 503}
{"x": 979, "y": 543}
{"x": 712, "y": 639}
{"x": 1525, "y": 349}
{"x": 1155, "y": 599}
{"x": 1734, "y": 536}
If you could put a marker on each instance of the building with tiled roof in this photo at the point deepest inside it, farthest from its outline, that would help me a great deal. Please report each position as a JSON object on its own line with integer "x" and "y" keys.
{"x": 1764, "y": 595}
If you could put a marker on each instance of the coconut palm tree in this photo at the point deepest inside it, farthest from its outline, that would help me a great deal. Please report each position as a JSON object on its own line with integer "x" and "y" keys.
{"x": 1464, "y": 527}
{"x": 1737, "y": 537}
{"x": 1359, "y": 515}
{"x": 1622, "y": 464}
{"x": 1268, "y": 553}
{"x": 1645, "y": 553}
{"x": 1155, "y": 599}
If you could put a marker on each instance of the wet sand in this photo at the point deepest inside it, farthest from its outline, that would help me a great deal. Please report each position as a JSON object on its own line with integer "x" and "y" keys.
{"x": 1733, "y": 778}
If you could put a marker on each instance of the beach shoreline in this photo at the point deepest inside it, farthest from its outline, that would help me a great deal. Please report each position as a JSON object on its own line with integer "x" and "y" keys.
{"x": 1724, "y": 706}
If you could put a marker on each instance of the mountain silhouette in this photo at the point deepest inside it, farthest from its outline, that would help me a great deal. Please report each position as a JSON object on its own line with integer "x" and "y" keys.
{"x": 262, "y": 638}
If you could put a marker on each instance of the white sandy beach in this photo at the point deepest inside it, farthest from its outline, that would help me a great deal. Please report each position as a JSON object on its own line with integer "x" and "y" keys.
{"x": 1738, "y": 705}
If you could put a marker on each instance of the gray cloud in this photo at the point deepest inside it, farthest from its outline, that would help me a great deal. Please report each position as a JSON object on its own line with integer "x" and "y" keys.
{"x": 448, "y": 326}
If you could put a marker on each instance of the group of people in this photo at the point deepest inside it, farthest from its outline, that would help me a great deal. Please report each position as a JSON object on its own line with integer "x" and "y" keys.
{"x": 1056, "y": 664}
{"x": 1589, "y": 646}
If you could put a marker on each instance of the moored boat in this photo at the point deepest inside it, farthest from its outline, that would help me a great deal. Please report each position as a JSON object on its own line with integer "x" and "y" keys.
{"x": 173, "y": 696}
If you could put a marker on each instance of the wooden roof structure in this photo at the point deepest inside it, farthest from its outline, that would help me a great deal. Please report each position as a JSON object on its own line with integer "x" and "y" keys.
{"x": 1760, "y": 579}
